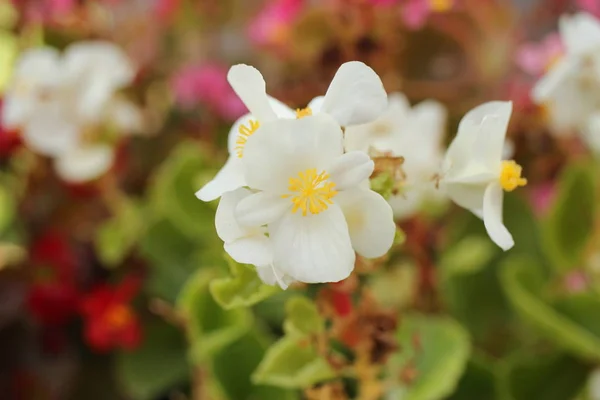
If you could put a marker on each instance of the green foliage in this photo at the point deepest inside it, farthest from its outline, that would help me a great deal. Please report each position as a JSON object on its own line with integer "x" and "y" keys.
{"x": 438, "y": 349}
{"x": 471, "y": 254}
{"x": 7, "y": 208}
{"x": 156, "y": 366}
{"x": 243, "y": 289}
{"x": 525, "y": 285}
{"x": 571, "y": 220}
{"x": 553, "y": 376}
{"x": 172, "y": 194}
{"x": 116, "y": 236}
{"x": 293, "y": 361}
{"x": 303, "y": 317}
{"x": 384, "y": 184}
{"x": 210, "y": 328}
{"x": 478, "y": 381}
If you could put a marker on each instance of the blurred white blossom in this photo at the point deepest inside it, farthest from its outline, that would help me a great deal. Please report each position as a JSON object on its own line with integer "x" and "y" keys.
{"x": 355, "y": 96}
{"x": 474, "y": 174}
{"x": 63, "y": 102}
{"x": 416, "y": 134}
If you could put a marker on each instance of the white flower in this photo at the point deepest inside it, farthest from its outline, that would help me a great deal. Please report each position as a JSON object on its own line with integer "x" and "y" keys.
{"x": 310, "y": 197}
{"x": 475, "y": 174}
{"x": 591, "y": 132}
{"x": 571, "y": 89}
{"x": 247, "y": 245}
{"x": 55, "y": 99}
{"x": 355, "y": 96}
{"x": 414, "y": 133}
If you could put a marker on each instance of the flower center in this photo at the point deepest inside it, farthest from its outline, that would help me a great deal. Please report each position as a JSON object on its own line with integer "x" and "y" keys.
{"x": 311, "y": 192}
{"x": 440, "y": 5}
{"x": 244, "y": 132}
{"x": 510, "y": 176}
{"x": 303, "y": 112}
{"x": 118, "y": 316}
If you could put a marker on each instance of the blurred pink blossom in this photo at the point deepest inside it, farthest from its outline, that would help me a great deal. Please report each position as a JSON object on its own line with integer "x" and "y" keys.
{"x": 271, "y": 25}
{"x": 207, "y": 84}
{"x": 591, "y": 6}
{"x": 537, "y": 58}
{"x": 415, "y": 12}
{"x": 45, "y": 10}
{"x": 384, "y": 3}
{"x": 576, "y": 282}
{"x": 541, "y": 198}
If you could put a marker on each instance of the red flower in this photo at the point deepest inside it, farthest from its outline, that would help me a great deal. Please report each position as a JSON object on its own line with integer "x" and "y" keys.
{"x": 110, "y": 321}
{"x": 53, "y": 296}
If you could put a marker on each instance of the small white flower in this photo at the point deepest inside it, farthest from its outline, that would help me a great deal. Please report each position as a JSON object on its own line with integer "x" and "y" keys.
{"x": 310, "y": 197}
{"x": 247, "y": 245}
{"x": 416, "y": 134}
{"x": 53, "y": 99}
{"x": 475, "y": 174}
{"x": 355, "y": 96}
{"x": 571, "y": 89}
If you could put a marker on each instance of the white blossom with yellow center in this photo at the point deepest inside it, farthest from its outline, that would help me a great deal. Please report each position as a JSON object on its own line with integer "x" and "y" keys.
{"x": 570, "y": 90}
{"x": 52, "y": 98}
{"x": 475, "y": 176}
{"x": 355, "y": 96}
{"x": 307, "y": 209}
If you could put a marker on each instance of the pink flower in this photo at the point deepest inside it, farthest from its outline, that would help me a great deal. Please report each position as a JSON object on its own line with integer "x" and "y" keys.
{"x": 207, "y": 84}
{"x": 415, "y": 12}
{"x": 383, "y": 3}
{"x": 45, "y": 10}
{"x": 576, "y": 282}
{"x": 271, "y": 25}
{"x": 591, "y": 6}
{"x": 537, "y": 58}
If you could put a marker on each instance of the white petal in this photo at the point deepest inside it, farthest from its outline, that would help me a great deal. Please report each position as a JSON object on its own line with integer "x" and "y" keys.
{"x": 280, "y": 109}
{"x": 227, "y": 226}
{"x": 249, "y": 85}
{"x": 39, "y": 66}
{"x": 492, "y": 217}
{"x": 255, "y": 250}
{"x": 592, "y": 132}
{"x": 370, "y": 221}
{"x": 316, "y": 104}
{"x": 550, "y": 83}
{"x": 580, "y": 33}
{"x": 229, "y": 178}
{"x": 84, "y": 164}
{"x": 469, "y": 196}
{"x": 16, "y": 110}
{"x": 280, "y": 149}
{"x": 355, "y": 95}
{"x": 350, "y": 169}
{"x": 315, "y": 248}
{"x": 271, "y": 276}
{"x": 261, "y": 208}
{"x": 50, "y": 132}
{"x": 125, "y": 116}
{"x": 406, "y": 205}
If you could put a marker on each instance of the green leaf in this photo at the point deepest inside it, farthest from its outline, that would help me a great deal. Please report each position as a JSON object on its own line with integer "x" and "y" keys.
{"x": 156, "y": 366}
{"x": 582, "y": 308}
{"x": 7, "y": 208}
{"x": 384, "y": 184}
{"x": 243, "y": 289}
{"x": 524, "y": 282}
{"x": 292, "y": 363}
{"x": 8, "y": 53}
{"x": 439, "y": 359}
{"x": 234, "y": 364}
{"x": 172, "y": 259}
{"x": 571, "y": 220}
{"x": 478, "y": 381}
{"x": 303, "y": 317}
{"x": 173, "y": 191}
{"x": 210, "y": 328}
{"x": 117, "y": 236}
{"x": 470, "y": 254}
{"x": 551, "y": 376}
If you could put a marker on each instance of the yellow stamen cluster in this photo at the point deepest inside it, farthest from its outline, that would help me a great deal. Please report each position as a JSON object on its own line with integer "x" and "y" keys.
{"x": 440, "y": 5}
{"x": 303, "y": 112}
{"x": 510, "y": 176}
{"x": 243, "y": 134}
{"x": 312, "y": 192}
{"x": 118, "y": 316}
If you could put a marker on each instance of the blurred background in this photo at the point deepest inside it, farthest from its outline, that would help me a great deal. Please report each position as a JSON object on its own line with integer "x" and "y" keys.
{"x": 114, "y": 284}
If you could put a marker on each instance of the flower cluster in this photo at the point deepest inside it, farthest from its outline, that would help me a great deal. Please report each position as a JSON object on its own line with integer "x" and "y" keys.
{"x": 570, "y": 90}
{"x": 66, "y": 108}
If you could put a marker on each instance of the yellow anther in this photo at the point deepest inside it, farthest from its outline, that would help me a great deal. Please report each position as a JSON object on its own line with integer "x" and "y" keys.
{"x": 243, "y": 134}
{"x": 303, "y": 112}
{"x": 311, "y": 192}
{"x": 118, "y": 316}
{"x": 510, "y": 176}
{"x": 440, "y": 5}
